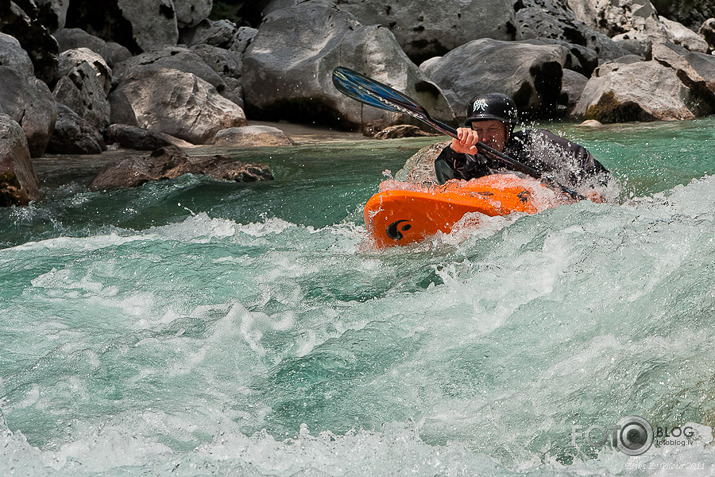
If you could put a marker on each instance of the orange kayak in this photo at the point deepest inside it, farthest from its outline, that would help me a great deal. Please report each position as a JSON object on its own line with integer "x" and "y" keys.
{"x": 402, "y": 213}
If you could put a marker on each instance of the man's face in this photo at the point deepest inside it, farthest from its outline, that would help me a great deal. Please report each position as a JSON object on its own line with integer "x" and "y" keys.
{"x": 492, "y": 133}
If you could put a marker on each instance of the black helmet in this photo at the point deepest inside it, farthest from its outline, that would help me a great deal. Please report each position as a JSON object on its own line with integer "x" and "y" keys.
{"x": 492, "y": 106}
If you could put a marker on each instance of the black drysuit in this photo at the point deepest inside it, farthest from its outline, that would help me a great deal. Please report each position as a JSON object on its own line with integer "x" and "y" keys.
{"x": 556, "y": 158}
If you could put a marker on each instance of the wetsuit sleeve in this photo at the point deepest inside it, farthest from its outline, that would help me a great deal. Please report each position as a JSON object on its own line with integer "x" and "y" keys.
{"x": 444, "y": 165}
{"x": 586, "y": 162}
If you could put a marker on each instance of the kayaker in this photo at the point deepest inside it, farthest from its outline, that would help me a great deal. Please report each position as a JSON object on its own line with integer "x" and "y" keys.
{"x": 491, "y": 119}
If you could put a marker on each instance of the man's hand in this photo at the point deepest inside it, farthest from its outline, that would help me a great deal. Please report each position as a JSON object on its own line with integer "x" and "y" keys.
{"x": 466, "y": 142}
{"x": 594, "y": 196}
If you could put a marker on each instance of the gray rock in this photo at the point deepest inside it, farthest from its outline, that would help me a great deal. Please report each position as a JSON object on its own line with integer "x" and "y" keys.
{"x": 219, "y": 33}
{"x": 572, "y": 85}
{"x": 243, "y": 37}
{"x": 83, "y": 90}
{"x": 707, "y": 31}
{"x": 53, "y": 13}
{"x": 29, "y": 102}
{"x": 685, "y": 37}
{"x": 171, "y": 162}
{"x": 132, "y": 137}
{"x": 419, "y": 168}
{"x": 581, "y": 59}
{"x": 74, "y": 135}
{"x": 252, "y": 136}
{"x": 626, "y": 93}
{"x": 12, "y": 55}
{"x": 530, "y": 74}
{"x": 288, "y": 79}
{"x": 172, "y": 57}
{"x": 72, "y": 38}
{"x": 427, "y": 28}
{"x": 71, "y": 59}
{"x": 173, "y": 102}
{"x": 154, "y": 23}
{"x": 192, "y": 12}
{"x": 32, "y": 35}
{"x": 18, "y": 181}
{"x": 695, "y": 70}
{"x": 551, "y": 19}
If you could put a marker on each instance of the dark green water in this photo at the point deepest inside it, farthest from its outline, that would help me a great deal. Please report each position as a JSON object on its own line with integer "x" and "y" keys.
{"x": 196, "y": 327}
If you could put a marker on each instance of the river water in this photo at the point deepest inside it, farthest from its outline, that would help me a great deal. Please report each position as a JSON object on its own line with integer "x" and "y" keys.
{"x": 195, "y": 327}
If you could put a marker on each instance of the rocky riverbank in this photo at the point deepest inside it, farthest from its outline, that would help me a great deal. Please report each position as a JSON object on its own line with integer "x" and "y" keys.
{"x": 77, "y": 79}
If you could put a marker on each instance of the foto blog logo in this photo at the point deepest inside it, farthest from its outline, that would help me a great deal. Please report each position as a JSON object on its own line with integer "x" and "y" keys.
{"x": 632, "y": 435}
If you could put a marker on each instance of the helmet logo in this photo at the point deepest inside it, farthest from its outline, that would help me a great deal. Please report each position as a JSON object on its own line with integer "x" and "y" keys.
{"x": 480, "y": 105}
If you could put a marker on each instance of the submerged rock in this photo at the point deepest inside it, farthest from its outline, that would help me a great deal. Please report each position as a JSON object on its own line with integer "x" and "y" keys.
{"x": 419, "y": 168}
{"x": 253, "y": 136}
{"x": 132, "y": 137}
{"x": 18, "y": 181}
{"x": 402, "y": 130}
{"x": 171, "y": 162}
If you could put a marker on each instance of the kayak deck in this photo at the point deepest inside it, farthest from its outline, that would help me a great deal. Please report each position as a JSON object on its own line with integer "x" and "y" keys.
{"x": 403, "y": 213}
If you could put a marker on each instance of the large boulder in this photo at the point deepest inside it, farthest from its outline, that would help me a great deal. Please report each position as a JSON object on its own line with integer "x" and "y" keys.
{"x": 173, "y": 102}
{"x": 552, "y": 19}
{"x": 287, "y": 69}
{"x": 53, "y": 13}
{"x": 18, "y": 182}
{"x": 228, "y": 64}
{"x": 84, "y": 86}
{"x": 12, "y": 55}
{"x": 685, "y": 37}
{"x": 707, "y": 31}
{"x": 641, "y": 91}
{"x": 691, "y": 13}
{"x": 110, "y": 51}
{"x": 173, "y": 57}
{"x": 32, "y": 35}
{"x": 531, "y": 74}
{"x": 138, "y": 25}
{"x": 425, "y": 28}
{"x": 74, "y": 135}
{"x": 171, "y": 162}
{"x": 29, "y": 102}
{"x": 132, "y": 137}
{"x": 192, "y": 12}
{"x": 695, "y": 70}
{"x": 219, "y": 33}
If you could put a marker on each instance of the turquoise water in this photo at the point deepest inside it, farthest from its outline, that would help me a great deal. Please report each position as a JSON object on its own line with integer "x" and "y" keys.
{"x": 196, "y": 327}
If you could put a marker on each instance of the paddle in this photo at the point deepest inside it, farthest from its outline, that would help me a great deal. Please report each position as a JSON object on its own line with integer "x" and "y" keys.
{"x": 368, "y": 91}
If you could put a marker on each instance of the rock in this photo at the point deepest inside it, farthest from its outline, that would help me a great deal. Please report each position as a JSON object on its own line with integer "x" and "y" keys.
{"x": 252, "y": 136}
{"x": 173, "y": 57}
{"x": 74, "y": 135}
{"x": 173, "y": 102}
{"x": 402, "y": 130}
{"x": 13, "y": 56}
{"x": 581, "y": 59}
{"x": 139, "y": 26}
{"x": 591, "y": 123}
{"x": 53, "y": 13}
{"x": 419, "y": 168}
{"x": 614, "y": 17}
{"x": 29, "y": 102}
{"x": 18, "y": 181}
{"x": 426, "y": 28}
{"x": 626, "y": 93}
{"x": 691, "y": 13}
{"x": 707, "y": 31}
{"x": 192, "y": 12}
{"x": 683, "y": 36}
{"x": 548, "y": 19}
{"x": 32, "y": 35}
{"x": 171, "y": 162}
{"x": 73, "y": 38}
{"x": 291, "y": 80}
{"x": 71, "y": 59}
{"x": 530, "y": 74}
{"x": 242, "y": 39}
{"x": 228, "y": 65}
{"x": 83, "y": 91}
{"x": 695, "y": 70}
{"x": 219, "y": 33}
{"x": 572, "y": 85}
{"x": 132, "y": 137}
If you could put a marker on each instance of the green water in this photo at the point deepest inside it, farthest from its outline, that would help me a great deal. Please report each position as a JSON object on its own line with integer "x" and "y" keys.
{"x": 196, "y": 327}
